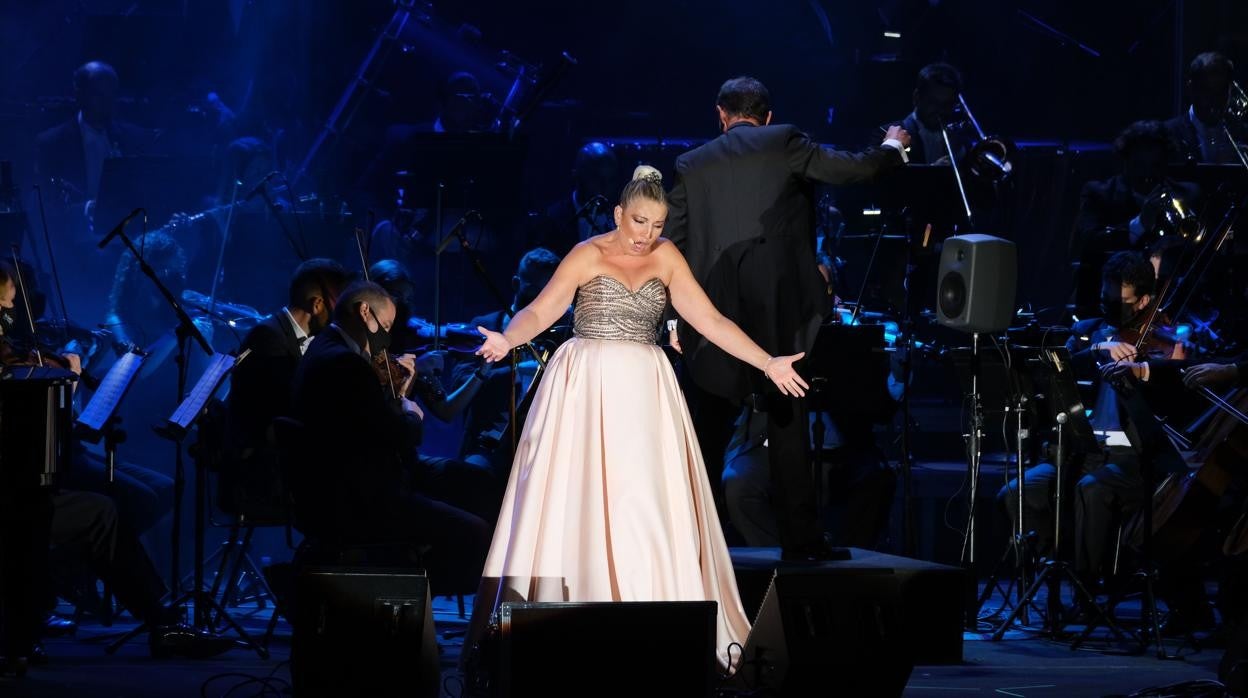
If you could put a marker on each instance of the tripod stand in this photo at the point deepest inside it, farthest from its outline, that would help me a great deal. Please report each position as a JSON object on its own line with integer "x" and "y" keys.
{"x": 1055, "y": 569}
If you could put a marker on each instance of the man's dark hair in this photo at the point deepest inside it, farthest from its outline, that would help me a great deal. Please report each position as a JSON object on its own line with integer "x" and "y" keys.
{"x": 538, "y": 263}
{"x": 939, "y": 75}
{"x": 391, "y": 275}
{"x": 359, "y": 292}
{"x": 1142, "y": 134}
{"x": 1132, "y": 269}
{"x": 744, "y": 96}
{"x": 1210, "y": 63}
{"x": 317, "y": 277}
{"x": 86, "y": 71}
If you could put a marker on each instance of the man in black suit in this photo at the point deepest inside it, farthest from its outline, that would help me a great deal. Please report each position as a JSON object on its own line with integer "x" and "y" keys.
{"x": 1124, "y": 211}
{"x": 71, "y": 156}
{"x": 742, "y": 211}
{"x": 261, "y": 385}
{"x": 935, "y": 108}
{"x": 350, "y": 487}
{"x": 489, "y": 412}
{"x": 1200, "y": 133}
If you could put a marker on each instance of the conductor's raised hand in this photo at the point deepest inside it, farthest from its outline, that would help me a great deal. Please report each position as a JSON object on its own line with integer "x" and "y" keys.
{"x": 780, "y": 370}
{"x": 495, "y": 346}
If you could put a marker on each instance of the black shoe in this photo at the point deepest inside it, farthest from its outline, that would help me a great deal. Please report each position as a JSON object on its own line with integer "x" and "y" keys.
{"x": 58, "y": 626}
{"x": 183, "y": 641}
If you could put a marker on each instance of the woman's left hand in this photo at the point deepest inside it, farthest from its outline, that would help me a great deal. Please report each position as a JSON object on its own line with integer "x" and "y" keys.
{"x": 780, "y": 370}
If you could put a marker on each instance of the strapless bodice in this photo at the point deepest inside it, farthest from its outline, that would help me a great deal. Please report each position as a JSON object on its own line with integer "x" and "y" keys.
{"x": 607, "y": 309}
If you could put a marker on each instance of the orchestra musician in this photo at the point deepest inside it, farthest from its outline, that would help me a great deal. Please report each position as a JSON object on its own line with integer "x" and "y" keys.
{"x": 465, "y": 484}
{"x": 935, "y": 96}
{"x": 261, "y": 385}
{"x": 351, "y": 487}
{"x": 1122, "y": 212}
{"x": 91, "y": 525}
{"x": 1200, "y": 132}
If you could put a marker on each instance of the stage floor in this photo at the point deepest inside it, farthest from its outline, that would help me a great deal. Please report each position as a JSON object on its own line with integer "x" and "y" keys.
{"x": 1021, "y": 665}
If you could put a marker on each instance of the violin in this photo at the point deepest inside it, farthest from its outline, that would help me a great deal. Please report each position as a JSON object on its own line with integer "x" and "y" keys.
{"x": 390, "y": 372}
{"x": 13, "y": 353}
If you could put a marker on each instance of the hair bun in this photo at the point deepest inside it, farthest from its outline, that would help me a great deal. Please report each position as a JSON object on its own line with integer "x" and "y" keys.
{"x": 648, "y": 173}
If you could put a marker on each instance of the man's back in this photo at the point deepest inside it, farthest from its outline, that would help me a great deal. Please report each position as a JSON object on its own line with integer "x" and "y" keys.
{"x": 756, "y": 182}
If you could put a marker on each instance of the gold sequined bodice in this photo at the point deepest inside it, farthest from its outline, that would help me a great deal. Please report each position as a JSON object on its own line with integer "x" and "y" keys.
{"x": 607, "y": 309}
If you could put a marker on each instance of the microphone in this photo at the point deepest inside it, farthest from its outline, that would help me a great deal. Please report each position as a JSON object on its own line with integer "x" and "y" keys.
{"x": 121, "y": 226}
{"x": 456, "y": 230}
{"x": 260, "y": 185}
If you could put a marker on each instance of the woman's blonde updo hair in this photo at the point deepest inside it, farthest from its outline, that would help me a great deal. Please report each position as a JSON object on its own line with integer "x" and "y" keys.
{"x": 647, "y": 183}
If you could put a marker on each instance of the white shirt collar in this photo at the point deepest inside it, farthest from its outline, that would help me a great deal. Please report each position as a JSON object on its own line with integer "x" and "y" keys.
{"x": 300, "y": 334}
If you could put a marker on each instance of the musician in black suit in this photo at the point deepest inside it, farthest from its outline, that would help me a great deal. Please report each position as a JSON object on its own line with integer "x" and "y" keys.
{"x": 742, "y": 212}
{"x": 1122, "y": 212}
{"x": 351, "y": 486}
{"x": 935, "y": 107}
{"x": 71, "y": 155}
{"x": 261, "y": 384}
{"x": 1200, "y": 132}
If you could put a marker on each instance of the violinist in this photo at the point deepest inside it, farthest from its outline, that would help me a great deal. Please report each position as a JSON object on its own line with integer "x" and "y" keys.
{"x": 142, "y": 496}
{"x": 468, "y": 485}
{"x": 351, "y": 487}
{"x": 260, "y": 387}
{"x": 1111, "y": 487}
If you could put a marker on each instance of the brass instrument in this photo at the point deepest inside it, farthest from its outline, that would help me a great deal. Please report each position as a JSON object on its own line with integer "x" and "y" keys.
{"x": 1175, "y": 217}
{"x": 1236, "y": 110}
{"x": 1237, "y": 106}
{"x": 989, "y": 156}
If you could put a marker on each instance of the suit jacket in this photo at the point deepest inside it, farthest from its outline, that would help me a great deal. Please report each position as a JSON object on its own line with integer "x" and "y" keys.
{"x": 261, "y": 386}
{"x": 59, "y": 154}
{"x": 363, "y": 439}
{"x": 742, "y": 212}
{"x": 1187, "y": 142}
{"x": 958, "y": 138}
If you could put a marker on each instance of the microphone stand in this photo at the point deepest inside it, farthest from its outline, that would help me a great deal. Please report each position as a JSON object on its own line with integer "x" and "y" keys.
{"x": 185, "y": 331}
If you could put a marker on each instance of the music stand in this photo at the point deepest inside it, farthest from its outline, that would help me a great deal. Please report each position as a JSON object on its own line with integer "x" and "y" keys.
{"x": 1051, "y": 367}
{"x": 99, "y": 418}
{"x": 175, "y": 429}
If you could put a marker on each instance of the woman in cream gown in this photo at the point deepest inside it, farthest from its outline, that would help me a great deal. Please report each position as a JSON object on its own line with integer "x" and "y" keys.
{"x": 608, "y": 499}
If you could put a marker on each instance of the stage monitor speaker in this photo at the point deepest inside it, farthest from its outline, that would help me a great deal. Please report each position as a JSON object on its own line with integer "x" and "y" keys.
{"x": 607, "y": 649}
{"x": 976, "y": 283}
{"x": 829, "y": 633}
{"x": 363, "y": 632}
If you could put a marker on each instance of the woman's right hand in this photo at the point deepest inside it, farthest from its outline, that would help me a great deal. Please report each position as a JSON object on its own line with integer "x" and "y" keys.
{"x": 495, "y": 346}
{"x": 781, "y": 372}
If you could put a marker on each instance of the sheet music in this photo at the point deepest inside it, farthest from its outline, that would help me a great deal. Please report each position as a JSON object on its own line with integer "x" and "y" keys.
{"x": 105, "y": 400}
{"x": 218, "y": 366}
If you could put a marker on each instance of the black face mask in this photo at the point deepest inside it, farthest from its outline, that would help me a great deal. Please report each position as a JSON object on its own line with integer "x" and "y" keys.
{"x": 1116, "y": 312}
{"x": 379, "y": 339}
